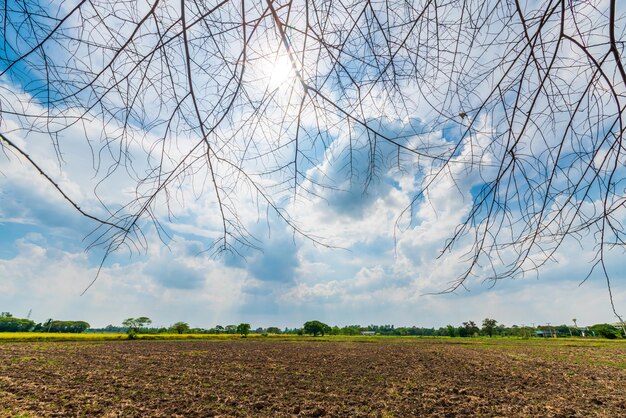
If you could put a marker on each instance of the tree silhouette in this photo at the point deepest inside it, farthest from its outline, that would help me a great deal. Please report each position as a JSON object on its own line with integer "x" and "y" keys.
{"x": 233, "y": 101}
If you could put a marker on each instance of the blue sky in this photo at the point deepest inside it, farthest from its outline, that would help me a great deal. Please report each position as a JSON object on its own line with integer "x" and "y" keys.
{"x": 363, "y": 270}
{"x": 368, "y": 278}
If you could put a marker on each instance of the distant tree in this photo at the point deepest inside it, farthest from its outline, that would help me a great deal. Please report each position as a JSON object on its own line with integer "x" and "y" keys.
{"x": 469, "y": 329}
{"x": 382, "y": 329}
{"x": 219, "y": 329}
{"x": 273, "y": 330}
{"x": 451, "y": 330}
{"x": 316, "y": 328}
{"x": 10, "y": 324}
{"x": 231, "y": 329}
{"x": 605, "y": 331}
{"x": 73, "y": 327}
{"x": 180, "y": 327}
{"x": 200, "y": 331}
{"x": 523, "y": 331}
{"x": 562, "y": 330}
{"x": 489, "y": 325}
{"x": 47, "y": 324}
{"x": 110, "y": 328}
{"x": 134, "y": 325}
{"x": 6, "y": 315}
{"x": 243, "y": 329}
{"x": 78, "y": 326}
{"x": 351, "y": 330}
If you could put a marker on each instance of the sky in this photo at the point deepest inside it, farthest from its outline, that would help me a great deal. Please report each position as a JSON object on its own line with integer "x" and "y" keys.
{"x": 359, "y": 269}
{"x": 369, "y": 277}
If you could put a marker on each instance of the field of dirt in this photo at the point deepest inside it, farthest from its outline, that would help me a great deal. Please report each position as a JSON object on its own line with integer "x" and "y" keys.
{"x": 382, "y": 377}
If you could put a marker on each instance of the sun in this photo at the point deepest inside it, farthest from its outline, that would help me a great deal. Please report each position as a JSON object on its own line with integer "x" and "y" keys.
{"x": 280, "y": 71}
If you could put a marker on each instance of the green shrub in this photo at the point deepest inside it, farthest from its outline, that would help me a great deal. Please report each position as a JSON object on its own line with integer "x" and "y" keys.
{"x": 605, "y": 331}
{"x": 10, "y": 324}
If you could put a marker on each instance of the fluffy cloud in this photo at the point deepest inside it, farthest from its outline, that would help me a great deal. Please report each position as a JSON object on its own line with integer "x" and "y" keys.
{"x": 378, "y": 274}
{"x": 51, "y": 281}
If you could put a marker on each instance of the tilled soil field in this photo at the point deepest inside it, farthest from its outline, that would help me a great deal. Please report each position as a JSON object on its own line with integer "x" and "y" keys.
{"x": 269, "y": 378}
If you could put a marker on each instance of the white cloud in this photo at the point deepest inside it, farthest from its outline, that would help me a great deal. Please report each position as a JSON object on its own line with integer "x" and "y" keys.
{"x": 50, "y": 281}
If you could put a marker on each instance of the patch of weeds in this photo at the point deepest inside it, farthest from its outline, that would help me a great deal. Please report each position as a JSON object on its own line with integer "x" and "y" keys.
{"x": 22, "y": 359}
{"x": 606, "y": 363}
{"x": 195, "y": 353}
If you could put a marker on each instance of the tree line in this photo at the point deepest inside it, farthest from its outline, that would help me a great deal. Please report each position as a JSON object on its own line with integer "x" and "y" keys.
{"x": 488, "y": 328}
{"x": 8, "y": 323}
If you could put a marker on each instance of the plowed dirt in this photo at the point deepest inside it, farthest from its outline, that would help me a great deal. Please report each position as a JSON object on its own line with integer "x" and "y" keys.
{"x": 269, "y": 378}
